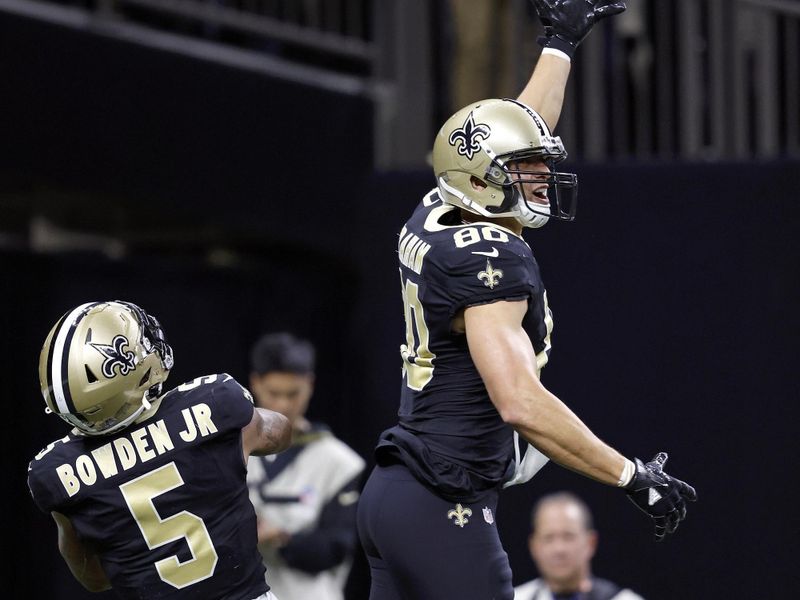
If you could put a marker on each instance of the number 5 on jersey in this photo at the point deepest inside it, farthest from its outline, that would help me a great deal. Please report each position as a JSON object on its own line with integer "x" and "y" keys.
{"x": 417, "y": 357}
{"x": 139, "y": 495}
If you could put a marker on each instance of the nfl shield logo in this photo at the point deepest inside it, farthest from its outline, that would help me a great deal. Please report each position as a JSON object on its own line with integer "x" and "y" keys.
{"x": 487, "y": 515}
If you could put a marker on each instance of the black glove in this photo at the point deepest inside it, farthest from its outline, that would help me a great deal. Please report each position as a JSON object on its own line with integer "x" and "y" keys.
{"x": 659, "y": 495}
{"x": 568, "y": 22}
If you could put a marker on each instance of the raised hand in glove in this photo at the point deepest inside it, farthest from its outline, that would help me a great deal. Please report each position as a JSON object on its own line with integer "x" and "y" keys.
{"x": 568, "y": 22}
{"x": 659, "y": 495}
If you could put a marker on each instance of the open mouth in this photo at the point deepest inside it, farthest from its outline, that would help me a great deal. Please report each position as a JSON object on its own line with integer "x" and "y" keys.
{"x": 540, "y": 195}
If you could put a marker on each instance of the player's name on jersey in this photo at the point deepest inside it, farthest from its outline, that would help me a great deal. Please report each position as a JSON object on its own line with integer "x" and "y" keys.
{"x": 137, "y": 446}
{"x": 412, "y": 250}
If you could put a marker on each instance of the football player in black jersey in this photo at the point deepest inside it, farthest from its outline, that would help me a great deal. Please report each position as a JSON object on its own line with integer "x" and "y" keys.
{"x": 478, "y": 331}
{"x": 148, "y": 488}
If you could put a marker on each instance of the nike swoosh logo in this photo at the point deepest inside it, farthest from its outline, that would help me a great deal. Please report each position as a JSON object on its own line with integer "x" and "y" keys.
{"x": 493, "y": 254}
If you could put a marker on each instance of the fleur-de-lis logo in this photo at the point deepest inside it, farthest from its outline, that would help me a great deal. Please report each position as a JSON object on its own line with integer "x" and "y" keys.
{"x": 116, "y": 356}
{"x": 491, "y": 276}
{"x": 467, "y": 138}
{"x": 460, "y": 514}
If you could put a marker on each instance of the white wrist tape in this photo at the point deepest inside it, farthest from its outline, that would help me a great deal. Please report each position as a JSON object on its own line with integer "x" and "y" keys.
{"x": 627, "y": 473}
{"x": 558, "y": 53}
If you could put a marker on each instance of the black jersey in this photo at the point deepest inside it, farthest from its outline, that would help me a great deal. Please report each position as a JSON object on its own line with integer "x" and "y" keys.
{"x": 450, "y": 435}
{"x": 164, "y": 502}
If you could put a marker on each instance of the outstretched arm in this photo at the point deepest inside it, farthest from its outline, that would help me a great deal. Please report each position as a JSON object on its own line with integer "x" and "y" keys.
{"x": 503, "y": 354}
{"x": 504, "y": 357}
{"x": 84, "y": 564}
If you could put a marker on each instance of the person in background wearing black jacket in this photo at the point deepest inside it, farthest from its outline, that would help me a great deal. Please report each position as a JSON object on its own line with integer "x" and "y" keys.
{"x": 306, "y": 498}
{"x": 562, "y": 543}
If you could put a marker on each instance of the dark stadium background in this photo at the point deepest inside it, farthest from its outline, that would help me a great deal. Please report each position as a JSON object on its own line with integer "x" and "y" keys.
{"x": 249, "y": 205}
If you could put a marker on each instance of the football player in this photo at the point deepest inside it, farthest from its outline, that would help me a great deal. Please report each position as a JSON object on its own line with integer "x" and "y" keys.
{"x": 148, "y": 488}
{"x": 478, "y": 331}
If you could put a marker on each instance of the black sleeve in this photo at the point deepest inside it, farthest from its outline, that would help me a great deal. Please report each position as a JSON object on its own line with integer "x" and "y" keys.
{"x": 334, "y": 538}
{"x": 467, "y": 278}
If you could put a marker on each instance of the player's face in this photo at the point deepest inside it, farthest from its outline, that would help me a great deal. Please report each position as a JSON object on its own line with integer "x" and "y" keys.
{"x": 561, "y": 546}
{"x": 534, "y": 173}
{"x": 286, "y": 393}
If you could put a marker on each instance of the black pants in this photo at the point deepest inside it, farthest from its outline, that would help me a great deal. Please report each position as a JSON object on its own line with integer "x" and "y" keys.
{"x": 422, "y": 547}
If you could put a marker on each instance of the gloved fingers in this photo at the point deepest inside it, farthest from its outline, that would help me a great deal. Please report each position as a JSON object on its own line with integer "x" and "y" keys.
{"x": 660, "y": 459}
{"x": 661, "y": 527}
{"x": 541, "y": 10}
{"x": 608, "y": 9}
{"x": 673, "y": 519}
{"x": 685, "y": 490}
{"x": 541, "y": 6}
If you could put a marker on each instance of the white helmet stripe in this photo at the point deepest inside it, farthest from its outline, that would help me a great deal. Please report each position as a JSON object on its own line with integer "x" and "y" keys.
{"x": 58, "y": 355}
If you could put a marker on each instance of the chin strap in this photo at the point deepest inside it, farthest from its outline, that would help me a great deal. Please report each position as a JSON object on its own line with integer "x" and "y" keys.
{"x": 475, "y": 208}
{"x": 446, "y": 190}
{"x": 145, "y": 405}
{"x": 530, "y": 218}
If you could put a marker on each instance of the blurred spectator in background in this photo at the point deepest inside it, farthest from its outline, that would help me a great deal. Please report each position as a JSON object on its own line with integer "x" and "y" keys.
{"x": 562, "y": 543}
{"x": 305, "y": 498}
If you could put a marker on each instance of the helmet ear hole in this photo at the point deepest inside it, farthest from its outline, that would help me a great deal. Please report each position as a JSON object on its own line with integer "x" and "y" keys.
{"x": 146, "y": 376}
{"x": 91, "y": 377}
{"x": 476, "y": 160}
{"x": 477, "y": 183}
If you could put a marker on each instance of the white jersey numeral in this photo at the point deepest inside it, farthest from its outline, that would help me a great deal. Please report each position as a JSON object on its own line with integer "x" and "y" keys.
{"x": 472, "y": 235}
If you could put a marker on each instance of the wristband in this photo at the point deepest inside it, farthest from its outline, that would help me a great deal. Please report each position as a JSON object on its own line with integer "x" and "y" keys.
{"x": 558, "y": 53}
{"x": 627, "y": 474}
{"x": 556, "y": 42}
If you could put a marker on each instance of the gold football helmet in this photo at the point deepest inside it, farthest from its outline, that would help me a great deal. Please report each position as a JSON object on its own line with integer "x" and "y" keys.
{"x": 102, "y": 364}
{"x": 487, "y": 140}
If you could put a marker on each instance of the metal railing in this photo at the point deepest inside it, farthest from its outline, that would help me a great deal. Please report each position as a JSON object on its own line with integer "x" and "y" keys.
{"x": 337, "y": 28}
{"x": 348, "y": 46}
{"x": 689, "y": 80}
{"x": 668, "y": 79}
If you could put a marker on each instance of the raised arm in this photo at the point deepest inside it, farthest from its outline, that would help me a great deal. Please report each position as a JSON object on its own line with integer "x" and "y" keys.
{"x": 545, "y": 90}
{"x": 566, "y": 24}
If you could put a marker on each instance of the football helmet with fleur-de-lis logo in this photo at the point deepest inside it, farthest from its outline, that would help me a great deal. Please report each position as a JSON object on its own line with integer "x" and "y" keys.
{"x": 102, "y": 364}
{"x": 490, "y": 141}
